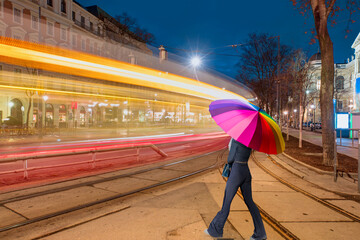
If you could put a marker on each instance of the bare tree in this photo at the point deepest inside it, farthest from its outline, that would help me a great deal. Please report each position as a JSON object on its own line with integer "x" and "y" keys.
{"x": 130, "y": 26}
{"x": 324, "y": 11}
{"x": 144, "y": 35}
{"x": 301, "y": 72}
{"x": 259, "y": 65}
{"x": 129, "y": 23}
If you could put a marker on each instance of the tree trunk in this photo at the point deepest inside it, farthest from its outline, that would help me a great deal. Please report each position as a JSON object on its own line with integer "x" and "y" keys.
{"x": 28, "y": 114}
{"x": 320, "y": 13}
{"x": 326, "y": 98}
{"x": 301, "y": 116}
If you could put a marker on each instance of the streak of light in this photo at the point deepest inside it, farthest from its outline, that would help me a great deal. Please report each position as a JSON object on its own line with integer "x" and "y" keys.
{"x": 89, "y": 94}
{"x": 175, "y": 139}
{"x": 81, "y": 64}
{"x": 108, "y": 140}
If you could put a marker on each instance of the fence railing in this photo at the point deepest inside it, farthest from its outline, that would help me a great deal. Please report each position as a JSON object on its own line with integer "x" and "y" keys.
{"x": 354, "y": 131}
{"x": 92, "y": 151}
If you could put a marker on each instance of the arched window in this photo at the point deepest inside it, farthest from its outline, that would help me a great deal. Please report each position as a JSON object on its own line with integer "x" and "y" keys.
{"x": 49, "y": 114}
{"x": 340, "y": 83}
{"x": 62, "y": 116}
{"x": 16, "y": 110}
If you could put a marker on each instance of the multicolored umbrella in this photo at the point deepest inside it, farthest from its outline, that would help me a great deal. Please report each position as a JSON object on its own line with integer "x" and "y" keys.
{"x": 248, "y": 124}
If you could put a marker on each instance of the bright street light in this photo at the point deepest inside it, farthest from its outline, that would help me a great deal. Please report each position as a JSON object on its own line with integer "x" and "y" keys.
{"x": 45, "y": 98}
{"x": 285, "y": 112}
{"x": 195, "y": 61}
{"x": 295, "y": 110}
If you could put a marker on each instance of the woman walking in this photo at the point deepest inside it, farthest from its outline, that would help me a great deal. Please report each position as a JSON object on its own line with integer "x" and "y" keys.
{"x": 239, "y": 177}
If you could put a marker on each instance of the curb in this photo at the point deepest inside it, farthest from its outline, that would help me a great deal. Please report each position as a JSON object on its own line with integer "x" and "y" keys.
{"x": 308, "y": 166}
{"x": 353, "y": 175}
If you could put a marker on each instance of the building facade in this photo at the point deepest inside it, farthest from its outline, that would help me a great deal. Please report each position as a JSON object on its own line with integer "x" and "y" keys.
{"x": 64, "y": 24}
{"x": 346, "y": 92}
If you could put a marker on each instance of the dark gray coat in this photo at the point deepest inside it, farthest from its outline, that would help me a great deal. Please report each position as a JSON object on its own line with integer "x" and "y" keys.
{"x": 238, "y": 152}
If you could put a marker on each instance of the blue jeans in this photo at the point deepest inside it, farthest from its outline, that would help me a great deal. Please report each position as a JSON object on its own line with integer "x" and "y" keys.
{"x": 240, "y": 176}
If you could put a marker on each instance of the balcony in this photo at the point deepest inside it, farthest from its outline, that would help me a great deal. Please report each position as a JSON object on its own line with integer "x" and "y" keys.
{"x": 87, "y": 28}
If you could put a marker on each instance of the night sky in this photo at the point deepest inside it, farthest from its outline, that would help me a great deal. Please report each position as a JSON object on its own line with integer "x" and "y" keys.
{"x": 211, "y": 25}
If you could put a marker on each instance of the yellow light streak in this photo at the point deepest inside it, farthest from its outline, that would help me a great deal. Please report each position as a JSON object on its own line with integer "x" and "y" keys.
{"x": 86, "y": 65}
{"x": 94, "y": 95}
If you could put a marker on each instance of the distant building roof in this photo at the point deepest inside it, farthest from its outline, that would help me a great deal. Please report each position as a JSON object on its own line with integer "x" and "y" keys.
{"x": 315, "y": 57}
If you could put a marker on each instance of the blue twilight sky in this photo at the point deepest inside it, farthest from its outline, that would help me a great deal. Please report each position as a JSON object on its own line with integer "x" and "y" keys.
{"x": 210, "y": 25}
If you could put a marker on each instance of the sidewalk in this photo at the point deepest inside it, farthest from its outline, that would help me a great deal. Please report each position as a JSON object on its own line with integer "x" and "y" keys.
{"x": 182, "y": 210}
{"x": 316, "y": 138}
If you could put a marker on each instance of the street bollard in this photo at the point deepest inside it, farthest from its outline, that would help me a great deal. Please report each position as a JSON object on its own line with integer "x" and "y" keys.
{"x": 352, "y": 137}
{"x": 358, "y": 161}
{"x": 340, "y": 137}
{"x": 335, "y": 158}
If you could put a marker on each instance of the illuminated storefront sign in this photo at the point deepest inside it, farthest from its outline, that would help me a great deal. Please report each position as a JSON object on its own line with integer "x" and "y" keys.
{"x": 357, "y": 95}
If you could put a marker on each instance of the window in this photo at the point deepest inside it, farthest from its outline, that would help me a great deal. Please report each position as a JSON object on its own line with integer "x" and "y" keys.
{"x": 63, "y": 6}
{"x": 17, "y": 70}
{"x": 63, "y": 34}
{"x": 50, "y": 28}
{"x": 91, "y": 26}
{"x": 1, "y": 9}
{"x": 50, "y": 3}
{"x": 340, "y": 82}
{"x": 73, "y": 16}
{"x": 340, "y": 104}
{"x": 82, "y": 21}
{"x": 91, "y": 47}
{"x": 17, "y": 15}
{"x": 73, "y": 40}
{"x": 98, "y": 31}
{"x": 34, "y": 22}
{"x": 83, "y": 44}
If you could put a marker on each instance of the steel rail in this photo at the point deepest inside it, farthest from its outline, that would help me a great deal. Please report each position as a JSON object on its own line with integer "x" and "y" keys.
{"x": 116, "y": 196}
{"x": 312, "y": 196}
{"x": 92, "y": 151}
{"x": 276, "y": 225}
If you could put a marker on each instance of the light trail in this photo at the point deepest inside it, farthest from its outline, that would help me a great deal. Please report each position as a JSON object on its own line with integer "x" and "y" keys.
{"x": 86, "y": 65}
{"x": 114, "y": 145}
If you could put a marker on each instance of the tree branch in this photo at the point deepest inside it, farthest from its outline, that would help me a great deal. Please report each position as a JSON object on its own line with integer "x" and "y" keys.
{"x": 330, "y": 8}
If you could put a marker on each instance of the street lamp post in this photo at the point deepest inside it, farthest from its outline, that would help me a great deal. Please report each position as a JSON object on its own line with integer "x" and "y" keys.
{"x": 287, "y": 125}
{"x": 313, "y": 117}
{"x": 278, "y": 103}
{"x": 45, "y": 99}
{"x": 295, "y": 122}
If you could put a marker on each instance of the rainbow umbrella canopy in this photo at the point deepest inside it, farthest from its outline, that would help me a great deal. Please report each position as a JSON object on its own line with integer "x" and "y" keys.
{"x": 248, "y": 124}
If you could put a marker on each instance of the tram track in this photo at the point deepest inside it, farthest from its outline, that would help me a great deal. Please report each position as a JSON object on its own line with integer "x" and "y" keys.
{"x": 273, "y": 222}
{"x": 306, "y": 193}
{"x": 276, "y": 225}
{"x": 92, "y": 184}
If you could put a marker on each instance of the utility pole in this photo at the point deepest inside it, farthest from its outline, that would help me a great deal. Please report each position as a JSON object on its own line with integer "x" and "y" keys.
{"x": 40, "y": 103}
{"x": 278, "y": 85}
